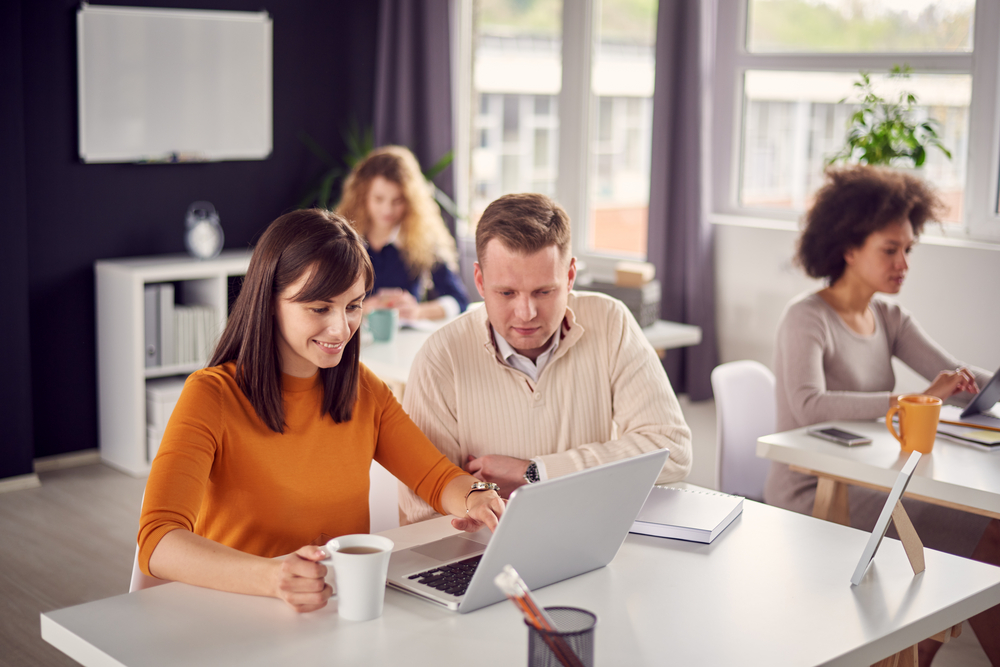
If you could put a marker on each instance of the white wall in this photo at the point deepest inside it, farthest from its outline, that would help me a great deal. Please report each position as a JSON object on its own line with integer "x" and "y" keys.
{"x": 953, "y": 292}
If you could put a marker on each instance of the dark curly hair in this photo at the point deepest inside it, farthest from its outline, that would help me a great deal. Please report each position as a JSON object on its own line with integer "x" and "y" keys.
{"x": 853, "y": 203}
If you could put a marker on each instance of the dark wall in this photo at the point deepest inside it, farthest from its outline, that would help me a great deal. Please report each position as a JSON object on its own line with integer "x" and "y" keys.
{"x": 324, "y": 64}
{"x": 15, "y": 389}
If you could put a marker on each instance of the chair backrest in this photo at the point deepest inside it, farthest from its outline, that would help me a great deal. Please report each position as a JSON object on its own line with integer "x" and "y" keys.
{"x": 383, "y": 507}
{"x": 383, "y": 499}
{"x": 140, "y": 580}
{"x": 744, "y": 411}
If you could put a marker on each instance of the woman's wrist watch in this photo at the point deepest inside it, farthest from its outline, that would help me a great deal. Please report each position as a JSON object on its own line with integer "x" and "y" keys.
{"x": 480, "y": 486}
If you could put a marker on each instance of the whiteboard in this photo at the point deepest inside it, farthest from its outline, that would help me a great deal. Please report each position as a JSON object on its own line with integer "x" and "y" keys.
{"x": 169, "y": 85}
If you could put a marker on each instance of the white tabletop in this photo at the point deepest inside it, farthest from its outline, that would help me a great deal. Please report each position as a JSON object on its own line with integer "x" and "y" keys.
{"x": 774, "y": 589}
{"x": 951, "y": 474}
{"x": 391, "y": 361}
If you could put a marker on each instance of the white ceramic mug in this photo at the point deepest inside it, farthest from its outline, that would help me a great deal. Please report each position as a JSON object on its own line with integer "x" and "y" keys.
{"x": 356, "y": 570}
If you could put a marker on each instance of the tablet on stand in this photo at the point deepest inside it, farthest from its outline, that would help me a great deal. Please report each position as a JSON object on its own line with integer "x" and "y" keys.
{"x": 894, "y": 511}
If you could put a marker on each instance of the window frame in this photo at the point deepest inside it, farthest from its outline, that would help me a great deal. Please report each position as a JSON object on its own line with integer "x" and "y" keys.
{"x": 732, "y": 60}
{"x": 577, "y": 111}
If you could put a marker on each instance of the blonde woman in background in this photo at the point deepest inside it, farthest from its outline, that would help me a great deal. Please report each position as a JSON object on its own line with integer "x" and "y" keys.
{"x": 388, "y": 200}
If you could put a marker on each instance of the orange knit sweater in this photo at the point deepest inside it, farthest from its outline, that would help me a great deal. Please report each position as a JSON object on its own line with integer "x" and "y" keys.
{"x": 221, "y": 473}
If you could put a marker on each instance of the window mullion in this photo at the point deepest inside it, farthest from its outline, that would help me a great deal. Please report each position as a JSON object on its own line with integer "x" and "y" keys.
{"x": 983, "y": 174}
{"x": 951, "y": 63}
{"x": 575, "y": 111}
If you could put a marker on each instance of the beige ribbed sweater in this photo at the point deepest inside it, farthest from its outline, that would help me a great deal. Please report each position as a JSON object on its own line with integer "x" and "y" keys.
{"x": 604, "y": 374}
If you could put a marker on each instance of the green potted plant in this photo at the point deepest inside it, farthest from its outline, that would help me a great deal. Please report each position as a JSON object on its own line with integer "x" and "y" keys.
{"x": 360, "y": 142}
{"x": 884, "y": 132}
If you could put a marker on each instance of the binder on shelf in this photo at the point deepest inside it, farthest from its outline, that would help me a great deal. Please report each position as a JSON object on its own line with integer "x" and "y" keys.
{"x": 195, "y": 333}
{"x": 151, "y": 325}
{"x": 153, "y": 438}
{"x": 696, "y": 515}
{"x": 162, "y": 395}
{"x": 167, "y": 355}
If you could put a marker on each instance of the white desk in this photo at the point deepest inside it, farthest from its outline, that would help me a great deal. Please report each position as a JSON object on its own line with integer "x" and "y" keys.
{"x": 391, "y": 361}
{"x": 952, "y": 474}
{"x": 773, "y": 589}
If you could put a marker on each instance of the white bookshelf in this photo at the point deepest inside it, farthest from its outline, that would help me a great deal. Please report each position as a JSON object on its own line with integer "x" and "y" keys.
{"x": 121, "y": 371}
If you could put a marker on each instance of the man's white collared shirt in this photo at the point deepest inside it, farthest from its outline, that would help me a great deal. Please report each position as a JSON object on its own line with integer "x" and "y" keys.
{"x": 516, "y": 360}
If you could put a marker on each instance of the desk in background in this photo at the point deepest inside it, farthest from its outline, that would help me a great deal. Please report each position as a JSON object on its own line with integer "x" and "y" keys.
{"x": 952, "y": 475}
{"x": 774, "y": 589}
{"x": 391, "y": 361}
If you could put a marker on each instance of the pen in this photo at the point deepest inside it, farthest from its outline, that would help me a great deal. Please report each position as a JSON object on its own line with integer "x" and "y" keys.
{"x": 510, "y": 582}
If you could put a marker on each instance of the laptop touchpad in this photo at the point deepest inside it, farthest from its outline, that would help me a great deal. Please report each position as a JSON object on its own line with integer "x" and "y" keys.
{"x": 450, "y": 548}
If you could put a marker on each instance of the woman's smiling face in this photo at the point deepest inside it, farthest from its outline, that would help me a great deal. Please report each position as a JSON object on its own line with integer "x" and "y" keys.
{"x": 312, "y": 335}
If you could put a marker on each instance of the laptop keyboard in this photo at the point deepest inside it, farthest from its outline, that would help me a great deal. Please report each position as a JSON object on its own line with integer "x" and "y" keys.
{"x": 452, "y": 579}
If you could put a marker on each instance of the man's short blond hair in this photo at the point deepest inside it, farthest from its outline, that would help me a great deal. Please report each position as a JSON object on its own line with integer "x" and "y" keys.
{"x": 524, "y": 223}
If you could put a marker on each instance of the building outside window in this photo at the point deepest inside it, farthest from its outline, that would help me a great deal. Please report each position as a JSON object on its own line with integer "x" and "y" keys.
{"x": 518, "y": 127}
{"x": 783, "y": 94}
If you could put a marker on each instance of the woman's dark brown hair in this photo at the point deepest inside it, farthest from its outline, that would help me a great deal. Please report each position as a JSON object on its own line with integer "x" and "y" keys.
{"x": 853, "y": 203}
{"x": 307, "y": 240}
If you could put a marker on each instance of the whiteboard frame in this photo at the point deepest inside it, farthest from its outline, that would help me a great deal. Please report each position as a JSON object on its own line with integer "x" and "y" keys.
{"x": 254, "y": 143}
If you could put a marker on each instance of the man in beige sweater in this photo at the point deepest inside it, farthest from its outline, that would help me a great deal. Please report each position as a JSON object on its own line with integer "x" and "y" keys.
{"x": 542, "y": 381}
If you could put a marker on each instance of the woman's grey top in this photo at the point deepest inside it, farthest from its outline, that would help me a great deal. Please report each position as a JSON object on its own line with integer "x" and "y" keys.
{"x": 824, "y": 370}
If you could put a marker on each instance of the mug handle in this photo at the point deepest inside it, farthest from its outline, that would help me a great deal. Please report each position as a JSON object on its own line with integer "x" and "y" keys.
{"x": 888, "y": 423}
{"x": 328, "y": 562}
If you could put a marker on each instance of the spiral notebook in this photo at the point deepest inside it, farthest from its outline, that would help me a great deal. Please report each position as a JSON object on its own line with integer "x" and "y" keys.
{"x": 693, "y": 514}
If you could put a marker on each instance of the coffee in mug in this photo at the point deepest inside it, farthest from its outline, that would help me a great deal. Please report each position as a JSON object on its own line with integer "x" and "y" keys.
{"x": 918, "y": 421}
{"x": 358, "y": 550}
{"x": 356, "y": 570}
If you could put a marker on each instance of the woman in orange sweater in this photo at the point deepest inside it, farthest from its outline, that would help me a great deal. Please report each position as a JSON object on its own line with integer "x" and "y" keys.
{"x": 269, "y": 448}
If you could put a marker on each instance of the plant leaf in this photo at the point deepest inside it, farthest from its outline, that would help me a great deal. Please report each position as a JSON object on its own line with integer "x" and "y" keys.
{"x": 431, "y": 173}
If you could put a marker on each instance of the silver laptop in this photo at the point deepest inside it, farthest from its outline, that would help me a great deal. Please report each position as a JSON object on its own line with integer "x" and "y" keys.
{"x": 550, "y": 531}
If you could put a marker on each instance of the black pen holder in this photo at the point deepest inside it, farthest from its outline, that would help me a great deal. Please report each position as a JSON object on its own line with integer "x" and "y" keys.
{"x": 575, "y": 633}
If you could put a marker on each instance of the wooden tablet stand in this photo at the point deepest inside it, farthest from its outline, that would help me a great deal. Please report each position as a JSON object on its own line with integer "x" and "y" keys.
{"x": 912, "y": 545}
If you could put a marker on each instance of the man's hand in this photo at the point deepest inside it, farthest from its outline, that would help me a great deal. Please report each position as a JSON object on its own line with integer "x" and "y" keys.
{"x": 506, "y": 471}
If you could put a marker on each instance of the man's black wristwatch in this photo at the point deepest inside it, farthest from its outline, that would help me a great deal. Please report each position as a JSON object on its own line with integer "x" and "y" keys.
{"x": 531, "y": 474}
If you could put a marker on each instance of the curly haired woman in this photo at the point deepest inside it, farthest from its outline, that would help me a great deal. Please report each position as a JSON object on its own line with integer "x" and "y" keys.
{"x": 834, "y": 351}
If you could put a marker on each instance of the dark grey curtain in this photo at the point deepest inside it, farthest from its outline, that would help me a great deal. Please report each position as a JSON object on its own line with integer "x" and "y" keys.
{"x": 413, "y": 82}
{"x": 680, "y": 239}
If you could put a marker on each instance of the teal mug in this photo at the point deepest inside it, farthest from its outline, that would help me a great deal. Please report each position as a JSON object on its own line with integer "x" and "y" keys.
{"x": 383, "y": 324}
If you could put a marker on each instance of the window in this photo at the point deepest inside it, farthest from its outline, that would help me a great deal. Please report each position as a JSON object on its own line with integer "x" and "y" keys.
{"x": 785, "y": 67}
{"x": 559, "y": 101}
{"x": 621, "y": 139}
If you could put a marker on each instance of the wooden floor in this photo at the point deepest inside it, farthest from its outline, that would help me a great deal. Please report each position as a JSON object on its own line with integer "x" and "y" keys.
{"x": 72, "y": 540}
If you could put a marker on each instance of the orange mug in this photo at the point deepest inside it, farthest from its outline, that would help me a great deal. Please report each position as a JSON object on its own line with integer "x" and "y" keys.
{"x": 918, "y": 421}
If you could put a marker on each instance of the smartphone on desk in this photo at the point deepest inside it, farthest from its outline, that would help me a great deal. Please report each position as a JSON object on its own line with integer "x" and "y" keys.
{"x": 839, "y": 436}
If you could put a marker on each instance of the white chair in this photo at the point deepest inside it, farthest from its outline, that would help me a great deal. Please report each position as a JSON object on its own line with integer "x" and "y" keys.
{"x": 383, "y": 508}
{"x": 744, "y": 411}
{"x": 140, "y": 580}
{"x": 383, "y": 499}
